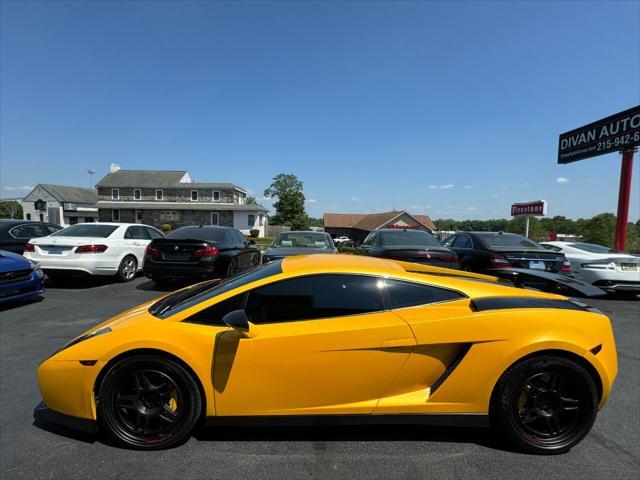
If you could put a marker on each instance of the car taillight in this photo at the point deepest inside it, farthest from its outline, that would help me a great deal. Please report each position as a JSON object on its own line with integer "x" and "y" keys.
{"x": 206, "y": 252}
{"x": 29, "y": 247}
{"x": 153, "y": 251}
{"x": 566, "y": 266}
{"x": 498, "y": 261}
{"x": 91, "y": 249}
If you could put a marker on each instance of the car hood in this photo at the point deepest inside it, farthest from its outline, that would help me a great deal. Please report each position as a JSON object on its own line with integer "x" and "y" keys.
{"x": 10, "y": 261}
{"x": 286, "y": 252}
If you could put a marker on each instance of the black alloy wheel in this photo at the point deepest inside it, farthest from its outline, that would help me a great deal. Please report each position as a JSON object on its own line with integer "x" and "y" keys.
{"x": 544, "y": 404}
{"x": 148, "y": 403}
{"x": 233, "y": 268}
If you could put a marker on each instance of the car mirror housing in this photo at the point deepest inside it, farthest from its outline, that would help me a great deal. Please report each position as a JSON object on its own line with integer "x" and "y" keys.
{"x": 237, "y": 320}
{"x": 252, "y": 242}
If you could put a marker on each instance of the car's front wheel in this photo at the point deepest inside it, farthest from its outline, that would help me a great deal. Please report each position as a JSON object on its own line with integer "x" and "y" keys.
{"x": 544, "y": 404}
{"x": 147, "y": 402}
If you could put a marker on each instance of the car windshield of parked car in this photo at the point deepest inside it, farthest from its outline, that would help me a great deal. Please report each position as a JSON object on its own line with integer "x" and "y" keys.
{"x": 408, "y": 237}
{"x": 183, "y": 299}
{"x": 593, "y": 248}
{"x": 198, "y": 233}
{"x": 86, "y": 230}
{"x": 302, "y": 240}
{"x": 499, "y": 240}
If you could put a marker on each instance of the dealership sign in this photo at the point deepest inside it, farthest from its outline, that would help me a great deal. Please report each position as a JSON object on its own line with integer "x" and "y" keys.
{"x": 612, "y": 134}
{"x": 538, "y": 208}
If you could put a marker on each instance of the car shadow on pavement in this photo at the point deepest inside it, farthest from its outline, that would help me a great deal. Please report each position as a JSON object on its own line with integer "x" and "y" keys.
{"x": 77, "y": 282}
{"x": 66, "y": 432}
{"x": 354, "y": 433}
{"x": 152, "y": 286}
{"x": 20, "y": 303}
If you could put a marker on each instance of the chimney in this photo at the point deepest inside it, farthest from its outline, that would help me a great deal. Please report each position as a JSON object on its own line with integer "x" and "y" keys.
{"x": 114, "y": 168}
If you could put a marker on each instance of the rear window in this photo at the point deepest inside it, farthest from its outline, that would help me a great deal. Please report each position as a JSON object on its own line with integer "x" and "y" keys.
{"x": 593, "y": 248}
{"x": 302, "y": 240}
{"x": 211, "y": 234}
{"x": 508, "y": 240}
{"x": 408, "y": 237}
{"x": 87, "y": 230}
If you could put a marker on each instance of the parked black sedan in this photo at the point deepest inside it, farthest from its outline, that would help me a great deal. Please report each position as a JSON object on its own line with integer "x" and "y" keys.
{"x": 14, "y": 234}
{"x": 410, "y": 246}
{"x": 483, "y": 252}
{"x": 199, "y": 252}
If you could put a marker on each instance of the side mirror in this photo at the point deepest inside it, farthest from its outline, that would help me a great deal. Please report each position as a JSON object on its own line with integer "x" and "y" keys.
{"x": 237, "y": 320}
{"x": 252, "y": 242}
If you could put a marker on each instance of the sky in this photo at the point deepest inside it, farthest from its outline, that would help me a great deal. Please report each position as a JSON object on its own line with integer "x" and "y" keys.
{"x": 450, "y": 109}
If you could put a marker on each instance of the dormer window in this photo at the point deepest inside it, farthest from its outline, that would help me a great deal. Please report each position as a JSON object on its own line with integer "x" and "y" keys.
{"x": 137, "y": 194}
{"x": 115, "y": 194}
{"x": 215, "y": 196}
{"x": 194, "y": 195}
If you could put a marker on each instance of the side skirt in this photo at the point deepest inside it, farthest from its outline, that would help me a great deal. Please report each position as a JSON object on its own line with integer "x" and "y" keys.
{"x": 476, "y": 420}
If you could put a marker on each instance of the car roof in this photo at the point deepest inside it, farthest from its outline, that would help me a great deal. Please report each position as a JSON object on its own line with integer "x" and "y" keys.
{"x": 337, "y": 262}
{"x": 218, "y": 227}
{"x": 303, "y": 231}
{"x": 400, "y": 230}
{"x": 16, "y": 221}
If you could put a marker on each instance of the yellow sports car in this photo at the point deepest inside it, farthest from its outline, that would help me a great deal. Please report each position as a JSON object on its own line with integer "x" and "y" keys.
{"x": 344, "y": 338}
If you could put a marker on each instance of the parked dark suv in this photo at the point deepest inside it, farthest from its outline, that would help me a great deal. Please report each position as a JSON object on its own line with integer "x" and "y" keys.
{"x": 199, "y": 252}
{"x": 14, "y": 234}
{"x": 409, "y": 245}
{"x": 482, "y": 252}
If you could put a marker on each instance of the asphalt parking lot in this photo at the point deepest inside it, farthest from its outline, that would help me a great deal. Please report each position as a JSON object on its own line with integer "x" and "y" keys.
{"x": 30, "y": 332}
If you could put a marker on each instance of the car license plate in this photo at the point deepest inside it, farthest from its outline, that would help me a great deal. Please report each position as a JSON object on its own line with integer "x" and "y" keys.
{"x": 536, "y": 265}
{"x": 55, "y": 250}
{"x": 628, "y": 267}
{"x": 9, "y": 293}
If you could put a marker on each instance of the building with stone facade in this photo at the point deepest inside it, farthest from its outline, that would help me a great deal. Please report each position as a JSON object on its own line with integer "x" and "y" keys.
{"x": 158, "y": 197}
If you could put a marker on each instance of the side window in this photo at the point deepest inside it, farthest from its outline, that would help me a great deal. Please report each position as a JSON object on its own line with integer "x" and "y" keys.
{"x": 315, "y": 297}
{"x": 408, "y": 294}
{"x": 213, "y": 314}
{"x": 462, "y": 242}
{"x": 153, "y": 233}
{"x": 370, "y": 240}
{"x": 242, "y": 240}
{"x": 53, "y": 228}
{"x": 29, "y": 230}
{"x": 136, "y": 233}
{"x": 449, "y": 241}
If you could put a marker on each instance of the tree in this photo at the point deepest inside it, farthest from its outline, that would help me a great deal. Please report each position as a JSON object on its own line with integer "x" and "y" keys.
{"x": 10, "y": 209}
{"x": 600, "y": 229}
{"x": 251, "y": 201}
{"x": 287, "y": 189}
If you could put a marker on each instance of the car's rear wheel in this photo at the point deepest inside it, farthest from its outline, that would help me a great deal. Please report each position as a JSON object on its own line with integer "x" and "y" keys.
{"x": 148, "y": 403}
{"x": 128, "y": 268}
{"x": 233, "y": 268}
{"x": 544, "y": 404}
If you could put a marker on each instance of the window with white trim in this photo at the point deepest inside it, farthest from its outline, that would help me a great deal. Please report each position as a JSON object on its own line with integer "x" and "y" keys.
{"x": 215, "y": 196}
{"x": 215, "y": 218}
{"x": 137, "y": 194}
{"x": 115, "y": 215}
{"x": 194, "y": 195}
{"x": 115, "y": 194}
{"x": 261, "y": 219}
{"x": 251, "y": 220}
{"x": 159, "y": 194}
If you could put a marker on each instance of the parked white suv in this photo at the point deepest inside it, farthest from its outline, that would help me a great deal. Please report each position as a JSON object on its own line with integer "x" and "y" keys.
{"x": 93, "y": 248}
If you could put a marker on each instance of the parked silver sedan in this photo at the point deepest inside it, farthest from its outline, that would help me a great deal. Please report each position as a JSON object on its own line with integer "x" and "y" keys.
{"x": 299, "y": 243}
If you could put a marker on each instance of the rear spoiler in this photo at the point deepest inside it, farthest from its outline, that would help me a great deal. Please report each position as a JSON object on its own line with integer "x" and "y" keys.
{"x": 553, "y": 282}
{"x": 429, "y": 269}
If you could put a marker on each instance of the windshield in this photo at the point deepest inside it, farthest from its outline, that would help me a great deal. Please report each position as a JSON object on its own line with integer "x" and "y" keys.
{"x": 184, "y": 299}
{"x": 593, "y": 248}
{"x": 408, "y": 237}
{"x": 502, "y": 240}
{"x": 198, "y": 233}
{"x": 86, "y": 230}
{"x": 302, "y": 240}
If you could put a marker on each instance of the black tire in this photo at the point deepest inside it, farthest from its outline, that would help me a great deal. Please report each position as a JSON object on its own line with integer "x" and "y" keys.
{"x": 465, "y": 267}
{"x": 156, "y": 413}
{"x": 255, "y": 260}
{"x": 128, "y": 269}
{"x": 233, "y": 267}
{"x": 544, "y": 404}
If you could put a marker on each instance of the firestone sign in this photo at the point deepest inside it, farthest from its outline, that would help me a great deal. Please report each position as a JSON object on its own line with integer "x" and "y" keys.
{"x": 611, "y": 134}
{"x": 537, "y": 208}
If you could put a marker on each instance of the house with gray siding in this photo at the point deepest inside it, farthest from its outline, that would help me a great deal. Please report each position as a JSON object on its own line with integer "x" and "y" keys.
{"x": 158, "y": 197}
{"x": 61, "y": 204}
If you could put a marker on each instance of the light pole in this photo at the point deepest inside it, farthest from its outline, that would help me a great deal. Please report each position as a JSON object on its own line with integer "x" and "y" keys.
{"x": 91, "y": 174}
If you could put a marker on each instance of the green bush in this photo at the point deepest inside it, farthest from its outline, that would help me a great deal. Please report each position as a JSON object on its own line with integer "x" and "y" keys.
{"x": 254, "y": 232}
{"x": 351, "y": 250}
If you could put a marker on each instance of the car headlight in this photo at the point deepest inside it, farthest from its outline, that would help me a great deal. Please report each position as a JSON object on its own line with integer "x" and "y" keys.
{"x": 82, "y": 338}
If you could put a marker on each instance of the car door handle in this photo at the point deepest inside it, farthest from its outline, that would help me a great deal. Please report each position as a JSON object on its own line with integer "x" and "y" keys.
{"x": 399, "y": 342}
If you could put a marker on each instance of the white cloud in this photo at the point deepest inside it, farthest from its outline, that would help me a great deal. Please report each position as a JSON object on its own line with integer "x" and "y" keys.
{"x": 355, "y": 199}
{"x": 469, "y": 187}
{"x": 562, "y": 180}
{"x": 442, "y": 187}
{"x": 471, "y": 209}
{"x": 495, "y": 195}
{"x": 21, "y": 187}
{"x": 419, "y": 207}
{"x": 311, "y": 200}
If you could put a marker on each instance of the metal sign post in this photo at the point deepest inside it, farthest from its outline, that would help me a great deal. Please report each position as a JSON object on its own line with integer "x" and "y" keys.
{"x": 623, "y": 200}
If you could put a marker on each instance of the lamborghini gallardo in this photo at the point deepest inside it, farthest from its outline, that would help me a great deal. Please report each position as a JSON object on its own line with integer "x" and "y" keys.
{"x": 339, "y": 338}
